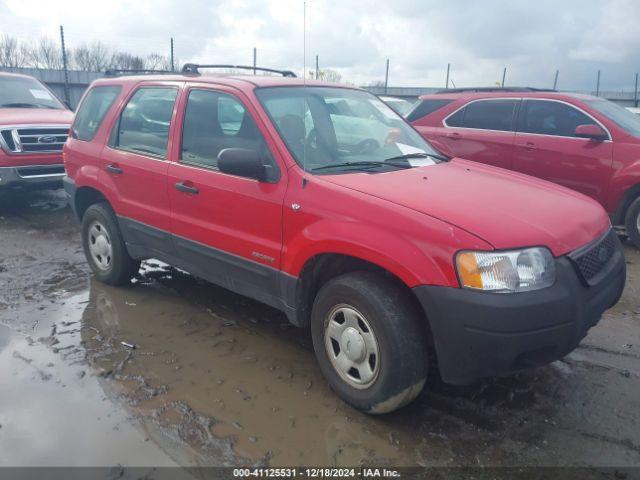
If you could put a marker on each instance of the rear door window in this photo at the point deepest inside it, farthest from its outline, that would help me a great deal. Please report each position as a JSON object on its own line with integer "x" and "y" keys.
{"x": 426, "y": 107}
{"x": 145, "y": 121}
{"x": 495, "y": 114}
{"x": 547, "y": 117}
{"x": 92, "y": 111}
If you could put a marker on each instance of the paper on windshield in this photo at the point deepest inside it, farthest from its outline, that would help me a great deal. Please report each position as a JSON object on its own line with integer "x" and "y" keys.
{"x": 40, "y": 94}
{"x": 414, "y": 162}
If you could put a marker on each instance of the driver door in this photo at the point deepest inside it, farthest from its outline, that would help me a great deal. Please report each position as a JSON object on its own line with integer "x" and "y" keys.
{"x": 546, "y": 147}
{"x": 226, "y": 228}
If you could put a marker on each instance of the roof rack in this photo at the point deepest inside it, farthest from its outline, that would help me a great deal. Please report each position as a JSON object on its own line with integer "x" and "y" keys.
{"x": 494, "y": 89}
{"x": 114, "y": 72}
{"x": 193, "y": 68}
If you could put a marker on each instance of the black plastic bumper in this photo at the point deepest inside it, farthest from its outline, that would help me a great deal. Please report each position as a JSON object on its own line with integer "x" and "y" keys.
{"x": 480, "y": 334}
{"x": 70, "y": 187}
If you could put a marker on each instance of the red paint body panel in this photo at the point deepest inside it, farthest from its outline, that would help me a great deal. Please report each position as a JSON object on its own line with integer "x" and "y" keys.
{"x": 410, "y": 222}
{"x": 603, "y": 170}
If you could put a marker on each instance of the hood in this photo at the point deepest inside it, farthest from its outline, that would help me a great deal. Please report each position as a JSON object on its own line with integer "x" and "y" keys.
{"x": 34, "y": 116}
{"x": 504, "y": 208}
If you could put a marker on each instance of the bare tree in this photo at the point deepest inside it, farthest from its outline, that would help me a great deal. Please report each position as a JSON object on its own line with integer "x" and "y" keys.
{"x": 12, "y": 52}
{"x": 155, "y": 61}
{"x": 94, "y": 57}
{"x": 328, "y": 75}
{"x": 126, "y": 61}
{"x": 44, "y": 54}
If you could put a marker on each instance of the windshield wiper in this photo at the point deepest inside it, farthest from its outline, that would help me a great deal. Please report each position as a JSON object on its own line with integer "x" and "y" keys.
{"x": 407, "y": 156}
{"x": 367, "y": 163}
{"x": 25, "y": 105}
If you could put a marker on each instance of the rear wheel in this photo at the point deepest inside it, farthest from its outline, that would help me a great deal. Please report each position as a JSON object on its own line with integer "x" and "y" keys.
{"x": 632, "y": 222}
{"x": 104, "y": 247}
{"x": 369, "y": 340}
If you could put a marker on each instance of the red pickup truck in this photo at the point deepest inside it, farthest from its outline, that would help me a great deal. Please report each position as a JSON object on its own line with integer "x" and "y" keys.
{"x": 33, "y": 128}
{"x": 321, "y": 201}
{"x": 583, "y": 142}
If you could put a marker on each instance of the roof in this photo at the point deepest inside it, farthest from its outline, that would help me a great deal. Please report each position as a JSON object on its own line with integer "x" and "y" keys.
{"x": 508, "y": 93}
{"x": 238, "y": 81}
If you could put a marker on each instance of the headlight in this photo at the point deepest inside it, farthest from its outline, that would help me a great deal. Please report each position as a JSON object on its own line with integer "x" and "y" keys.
{"x": 505, "y": 272}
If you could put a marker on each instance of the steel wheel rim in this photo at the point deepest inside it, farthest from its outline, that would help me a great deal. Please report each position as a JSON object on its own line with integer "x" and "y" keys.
{"x": 351, "y": 346}
{"x": 100, "y": 246}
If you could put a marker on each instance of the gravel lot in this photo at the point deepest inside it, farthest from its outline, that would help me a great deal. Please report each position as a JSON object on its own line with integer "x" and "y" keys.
{"x": 217, "y": 379}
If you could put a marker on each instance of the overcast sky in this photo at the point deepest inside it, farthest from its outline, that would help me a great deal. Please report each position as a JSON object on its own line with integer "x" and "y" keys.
{"x": 479, "y": 38}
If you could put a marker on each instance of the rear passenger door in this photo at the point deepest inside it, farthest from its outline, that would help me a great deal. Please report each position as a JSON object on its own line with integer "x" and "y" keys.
{"x": 546, "y": 147}
{"x": 135, "y": 167}
{"x": 482, "y": 131}
{"x": 227, "y": 228}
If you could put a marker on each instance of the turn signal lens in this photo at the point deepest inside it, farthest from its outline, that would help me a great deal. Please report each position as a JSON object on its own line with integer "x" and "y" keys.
{"x": 504, "y": 272}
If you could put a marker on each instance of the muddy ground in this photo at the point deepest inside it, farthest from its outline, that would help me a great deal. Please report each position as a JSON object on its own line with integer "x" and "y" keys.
{"x": 217, "y": 379}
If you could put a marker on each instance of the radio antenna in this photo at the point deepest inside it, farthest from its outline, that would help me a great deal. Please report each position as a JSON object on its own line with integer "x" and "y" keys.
{"x": 304, "y": 86}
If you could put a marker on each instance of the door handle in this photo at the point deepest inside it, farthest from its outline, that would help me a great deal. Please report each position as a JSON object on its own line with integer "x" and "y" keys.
{"x": 113, "y": 168}
{"x": 454, "y": 136}
{"x": 183, "y": 187}
{"x": 529, "y": 146}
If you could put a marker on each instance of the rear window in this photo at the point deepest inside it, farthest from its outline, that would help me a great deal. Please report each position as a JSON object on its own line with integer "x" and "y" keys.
{"x": 426, "y": 107}
{"x": 92, "y": 111}
{"x": 485, "y": 115}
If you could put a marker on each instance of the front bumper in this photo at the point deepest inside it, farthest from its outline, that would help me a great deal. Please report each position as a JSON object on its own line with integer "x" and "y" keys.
{"x": 32, "y": 175}
{"x": 480, "y": 334}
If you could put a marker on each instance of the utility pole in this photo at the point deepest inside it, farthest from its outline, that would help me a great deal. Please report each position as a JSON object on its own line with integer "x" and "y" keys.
{"x": 635, "y": 95}
{"x": 317, "y": 67}
{"x": 173, "y": 66}
{"x": 598, "y": 85}
{"x": 65, "y": 66}
{"x": 555, "y": 80}
{"x": 255, "y": 59}
{"x": 504, "y": 75}
{"x": 446, "y": 85}
{"x": 386, "y": 78}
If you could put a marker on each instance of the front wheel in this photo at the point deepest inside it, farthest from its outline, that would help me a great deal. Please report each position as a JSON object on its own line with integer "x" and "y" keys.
{"x": 370, "y": 343}
{"x": 104, "y": 247}
{"x": 632, "y": 222}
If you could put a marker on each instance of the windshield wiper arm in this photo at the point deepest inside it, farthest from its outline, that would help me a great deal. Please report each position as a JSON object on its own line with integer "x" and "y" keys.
{"x": 407, "y": 156}
{"x": 367, "y": 163}
{"x": 19, "y": 105}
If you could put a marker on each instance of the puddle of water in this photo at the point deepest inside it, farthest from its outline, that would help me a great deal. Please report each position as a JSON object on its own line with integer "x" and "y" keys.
{"x": 51, "y": 412}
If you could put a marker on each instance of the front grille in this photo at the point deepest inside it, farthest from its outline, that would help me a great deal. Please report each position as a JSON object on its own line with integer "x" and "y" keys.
{"x": 34, "y": 139}
{"x": 590, "y": 260}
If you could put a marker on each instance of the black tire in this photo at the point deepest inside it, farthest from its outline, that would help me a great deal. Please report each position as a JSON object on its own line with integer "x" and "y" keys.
{"x": 398, "y": 328}
{"x": 632, "y": 222}
{"x": 121, "y": 267}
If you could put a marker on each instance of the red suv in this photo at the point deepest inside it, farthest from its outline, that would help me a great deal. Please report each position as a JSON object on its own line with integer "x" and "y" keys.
{"x": 33, "y": 128}
{"x": 582, "y": 142}
{"x": 321, "y": 201}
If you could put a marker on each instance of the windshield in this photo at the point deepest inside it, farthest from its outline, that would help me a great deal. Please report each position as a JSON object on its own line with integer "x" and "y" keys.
{"x": 25, "y": 92}
{"x": 622, "y": 117}
{"x": 327, "y": 129}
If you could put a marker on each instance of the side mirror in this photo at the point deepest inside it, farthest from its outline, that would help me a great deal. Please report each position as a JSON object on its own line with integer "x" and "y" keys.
{"x": 241, "y": 162}
{"x": 594, "y": 132}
